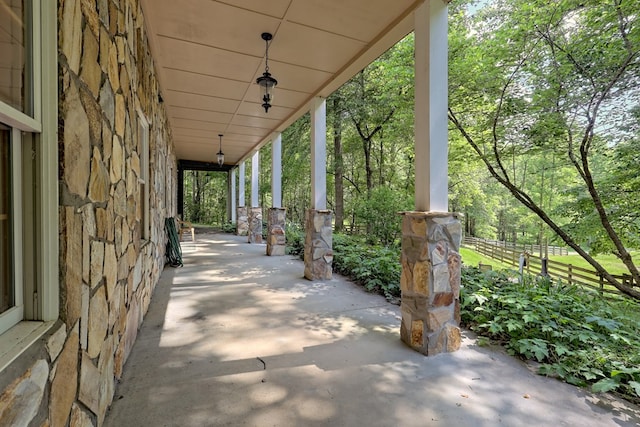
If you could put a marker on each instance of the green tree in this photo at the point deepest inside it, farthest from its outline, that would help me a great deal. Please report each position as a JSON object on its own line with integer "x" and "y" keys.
{"x": 380, "y": 211}
{"x": 296, "y": 170}
{"x": 532, "y": 77}
{"x": 337, "y": 115}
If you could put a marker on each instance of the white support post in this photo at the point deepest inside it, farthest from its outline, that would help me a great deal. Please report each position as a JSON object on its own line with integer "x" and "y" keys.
{"x": 232, "y": 196}
{"x": 241, "y": 196}
{"x": 430, "y": 279}
{"x": 431, "y": 104}
{"x": 276, "y": 228}
{"x": 319, "y": 154}
{"x": 276, "y": 171}
{"x": 255, "y": 174}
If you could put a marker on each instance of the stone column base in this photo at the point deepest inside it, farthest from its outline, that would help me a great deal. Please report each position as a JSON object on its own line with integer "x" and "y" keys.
{"x": 255, "y": 225}
{"x": 318, "y": 245}
{"x": 276, "y": 238}
{"x": 242, "y": 223}
{"x": 430, "y": 282}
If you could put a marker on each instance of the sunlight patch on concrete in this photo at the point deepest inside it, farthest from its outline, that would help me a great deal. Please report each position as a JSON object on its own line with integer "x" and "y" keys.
{"x": 265, "y": 394}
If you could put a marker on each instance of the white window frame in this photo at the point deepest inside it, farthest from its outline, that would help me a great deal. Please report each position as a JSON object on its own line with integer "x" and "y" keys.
{"x": 43, "y": 125}
{"x": 16, "y": 313}
{"x": 143, "y": 134}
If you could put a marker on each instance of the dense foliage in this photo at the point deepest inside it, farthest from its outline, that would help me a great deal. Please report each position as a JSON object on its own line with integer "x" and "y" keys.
{"x": 546, "y": 95}
{"x": 295, "y": 236}
{"x": 574, "y": 335}
{"x": 377, "y": 268}
{"x": 205, "y": 197}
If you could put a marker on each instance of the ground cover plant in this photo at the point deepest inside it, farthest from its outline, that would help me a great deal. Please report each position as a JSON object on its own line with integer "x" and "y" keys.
{"x": 574, "y": 335}
{"x": 377, "y": 268}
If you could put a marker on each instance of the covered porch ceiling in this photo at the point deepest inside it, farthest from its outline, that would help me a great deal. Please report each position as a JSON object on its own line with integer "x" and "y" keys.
{"x": 208, "y": 55}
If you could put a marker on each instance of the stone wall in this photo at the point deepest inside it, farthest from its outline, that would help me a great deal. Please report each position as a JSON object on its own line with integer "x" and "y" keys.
{"x": 318, "y": 245}
{"x": 107, "y": 270}
{"x": 276, "y": 238}
{"x": 430, "y": 282}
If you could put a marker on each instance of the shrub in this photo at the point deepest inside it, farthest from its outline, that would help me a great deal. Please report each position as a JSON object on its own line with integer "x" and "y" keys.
{"x": 295, "y": 240}
{"x": 376, "y": 268}
{"x": 576, "y": 336}
{"x": 380, "y": 214}
{"x": 229, "y": 227}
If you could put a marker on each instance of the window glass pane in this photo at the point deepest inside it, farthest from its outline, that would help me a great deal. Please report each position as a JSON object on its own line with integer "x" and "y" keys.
{"x": 6, "y": 275}
{"x": 13, "y": 65}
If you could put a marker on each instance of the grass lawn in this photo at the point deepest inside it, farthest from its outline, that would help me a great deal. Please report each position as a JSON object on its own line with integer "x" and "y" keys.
{"x": 473, "y": 258}
{"x": 609, "y": 261}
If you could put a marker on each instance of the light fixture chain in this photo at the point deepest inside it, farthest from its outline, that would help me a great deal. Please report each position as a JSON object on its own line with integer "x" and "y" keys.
{"x": 266, "y": 60}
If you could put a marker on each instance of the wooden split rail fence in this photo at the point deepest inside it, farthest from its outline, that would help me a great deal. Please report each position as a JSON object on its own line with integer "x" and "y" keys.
{"x": 521, "y": 247}
{"x": 557, "y": 270}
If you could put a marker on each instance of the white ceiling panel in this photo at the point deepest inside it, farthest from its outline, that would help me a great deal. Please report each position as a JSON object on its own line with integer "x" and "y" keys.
{"x": 200, "y": 115}
{"x": 255, "y": 109}
{"x": 346, "y": 17}
{"x": 209, "y": 53}
{"x": 306, "y": 47}
{"x": 293, "y": 77}
{"x": 199, "y": 84}
{"x": 281, "y": 98}
{"x": 207, "y": 60}
{"x": 274, "y": 8}
{"x": 201, "y": 102}
{"x": 198, "y": 125}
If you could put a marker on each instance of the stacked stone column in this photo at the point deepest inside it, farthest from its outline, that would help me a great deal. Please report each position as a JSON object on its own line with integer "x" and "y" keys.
{"x": 276, "y": 239}
{"x": 430, "y": 282}
{"x": 318, "y": 245}
{"x": 242, "y": 221}
{"x": 255, "y": 225}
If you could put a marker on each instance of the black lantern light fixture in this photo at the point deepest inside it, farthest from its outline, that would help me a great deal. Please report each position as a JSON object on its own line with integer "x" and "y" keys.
{"x": 266, "y": 81}
{"x": 220, "y": 153}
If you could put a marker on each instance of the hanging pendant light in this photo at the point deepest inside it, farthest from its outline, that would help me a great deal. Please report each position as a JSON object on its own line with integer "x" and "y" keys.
{"x": 220, "y": 153}
{"x": 266, "y": 81}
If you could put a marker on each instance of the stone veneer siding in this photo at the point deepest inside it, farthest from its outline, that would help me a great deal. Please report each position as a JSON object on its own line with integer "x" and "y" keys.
{"x": 318, "y": 245}
{"x": 242, "y": 222}
{"x": 276, "y": 238}
{"x": 430, "y": 282}
{"x": 255, "y": 225}
{"x": 107, "y": 271}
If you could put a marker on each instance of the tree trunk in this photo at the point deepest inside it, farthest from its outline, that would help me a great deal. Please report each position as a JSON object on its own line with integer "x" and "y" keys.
{"x": 381, "y": 163}
{"x": 366, "y": 146}
{"x": 196, "y": 197}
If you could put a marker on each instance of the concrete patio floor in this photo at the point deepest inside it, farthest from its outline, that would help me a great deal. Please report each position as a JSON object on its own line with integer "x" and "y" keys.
{"x": 236, "y": 338}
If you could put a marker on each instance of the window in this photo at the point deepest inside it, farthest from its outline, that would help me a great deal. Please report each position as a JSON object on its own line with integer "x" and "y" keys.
{"x": 143, "y": 135}
{"x": 28, "y": 173}
{"x": 14, "y": 64}
{"x": 11, "y": 301}
{"x": 6, "y": 261}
